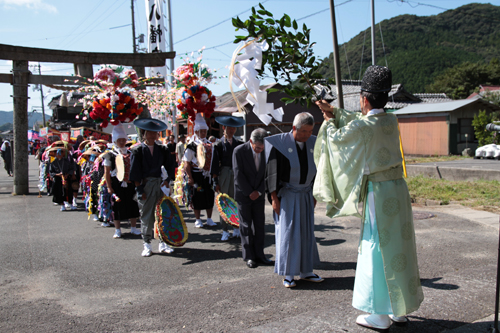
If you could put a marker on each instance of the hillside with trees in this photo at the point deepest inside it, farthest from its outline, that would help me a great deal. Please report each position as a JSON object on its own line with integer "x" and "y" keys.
{"x": 420, "y": 48}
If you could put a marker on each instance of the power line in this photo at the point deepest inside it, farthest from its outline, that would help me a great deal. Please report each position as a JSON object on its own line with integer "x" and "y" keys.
{"x": 302, "y": 18}
{"x": 213, "y": 26}
{"x": 121, "y": 26}
{"x": 85, "y": 18}
{"x": 78, "y": 34}
{"x": 323, "y": 10}
{"x": 105, "y": 12}
{"x": 414, "y": 4}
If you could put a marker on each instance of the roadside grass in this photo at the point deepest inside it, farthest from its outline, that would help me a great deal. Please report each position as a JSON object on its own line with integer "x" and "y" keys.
{"x": 428, "y": 159}
{"x": 481, "y": 194}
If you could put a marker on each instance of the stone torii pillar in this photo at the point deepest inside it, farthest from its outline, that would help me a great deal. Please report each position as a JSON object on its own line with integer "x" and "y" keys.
{"x": 20, "y": 75}
{"x": 82, "y": 61}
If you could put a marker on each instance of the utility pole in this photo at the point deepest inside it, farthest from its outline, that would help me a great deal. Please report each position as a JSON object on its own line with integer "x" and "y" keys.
{"x": 133, "y": 26}
{"x": 41, "y": 96}
{"x": 373, "y": 31}
{"x": 336, "y": 58}
{"x": 171, "y": 78}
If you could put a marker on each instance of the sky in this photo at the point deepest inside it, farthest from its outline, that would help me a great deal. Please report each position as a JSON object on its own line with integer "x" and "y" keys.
{"x": 105, "y": 26}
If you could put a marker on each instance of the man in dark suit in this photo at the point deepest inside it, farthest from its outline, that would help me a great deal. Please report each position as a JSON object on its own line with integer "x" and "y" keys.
{"x": 249, "y": 169}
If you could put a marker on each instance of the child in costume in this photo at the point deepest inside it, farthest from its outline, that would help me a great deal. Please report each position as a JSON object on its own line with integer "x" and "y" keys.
{"x": 200, "y": 178}
{"x": 124, "y": 207}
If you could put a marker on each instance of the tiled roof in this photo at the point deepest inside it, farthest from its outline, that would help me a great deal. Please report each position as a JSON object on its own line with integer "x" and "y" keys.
{"x": 398, "y": 96}
{"x": 484, "y": 90}
{"x": 444, "y": 106}
{"x": 73, "y": 98}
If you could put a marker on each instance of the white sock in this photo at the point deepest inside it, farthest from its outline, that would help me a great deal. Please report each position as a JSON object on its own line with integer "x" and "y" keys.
{"x": 289, "y": 277}
{"x": 74, "y": 201}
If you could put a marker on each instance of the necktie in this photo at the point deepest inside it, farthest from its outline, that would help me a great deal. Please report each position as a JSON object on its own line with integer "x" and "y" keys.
{"x": 256, "y": 159}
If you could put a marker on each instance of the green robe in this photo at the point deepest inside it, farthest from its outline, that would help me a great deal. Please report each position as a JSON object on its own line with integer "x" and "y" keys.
{"x": 344, "y": 146}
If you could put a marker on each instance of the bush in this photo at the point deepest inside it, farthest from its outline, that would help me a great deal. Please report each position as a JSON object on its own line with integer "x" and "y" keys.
{"x": 479, "y": 122}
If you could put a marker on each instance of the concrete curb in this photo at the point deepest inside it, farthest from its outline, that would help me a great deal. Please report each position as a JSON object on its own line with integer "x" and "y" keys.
{"x": 451, "y": 173}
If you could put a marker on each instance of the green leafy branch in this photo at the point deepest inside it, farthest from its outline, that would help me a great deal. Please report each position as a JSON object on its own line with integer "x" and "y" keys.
{"x": 290, "y": 56}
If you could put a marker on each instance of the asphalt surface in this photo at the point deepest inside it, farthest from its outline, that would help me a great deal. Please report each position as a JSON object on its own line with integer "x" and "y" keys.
{"x": 60, "y": 272}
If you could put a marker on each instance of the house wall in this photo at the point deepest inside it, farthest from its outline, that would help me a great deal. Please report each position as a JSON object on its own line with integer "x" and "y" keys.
{"x": 424, "y": 135}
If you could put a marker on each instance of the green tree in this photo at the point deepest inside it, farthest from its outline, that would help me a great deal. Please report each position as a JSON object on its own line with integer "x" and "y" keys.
{"x": 462, "y": 80}
{"x": 290, "y": 56}
{"x": 419, "y": 48}
{"x": 479, "y": 122}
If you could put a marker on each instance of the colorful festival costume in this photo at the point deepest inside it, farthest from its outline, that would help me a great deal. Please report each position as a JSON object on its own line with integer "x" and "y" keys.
{"x": 126, "y": 207}
{"x": 202, "y": 193}
{"x": 223, "y": 168}
{"x": 146, "y": 169}
{"x": 61, "y": 189}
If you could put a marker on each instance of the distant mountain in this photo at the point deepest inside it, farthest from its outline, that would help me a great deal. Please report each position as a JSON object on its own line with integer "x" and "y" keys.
{"x": 419, "y": 48}
{"x": 6, "y": 127}
{"x": 33, "y": 117}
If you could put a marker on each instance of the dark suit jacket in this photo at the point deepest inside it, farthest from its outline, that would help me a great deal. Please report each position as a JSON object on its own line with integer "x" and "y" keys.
{"x": 246, "y": 177}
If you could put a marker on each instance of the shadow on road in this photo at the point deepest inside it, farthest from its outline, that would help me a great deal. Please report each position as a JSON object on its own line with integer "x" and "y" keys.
{"x": 337, "y": 266}
{"x": 329, "y": 242}
{"x": 194, "y": 256}
{"x": 430, "y": 283}
{"x": 333, "y": 283}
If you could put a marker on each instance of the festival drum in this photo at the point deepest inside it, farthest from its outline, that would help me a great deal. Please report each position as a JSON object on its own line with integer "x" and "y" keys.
{"x": 228, "y": 209}
{"x": 170, "y": 224}
{"x": 204, "y": 156}
{"x": 122, "y": 167}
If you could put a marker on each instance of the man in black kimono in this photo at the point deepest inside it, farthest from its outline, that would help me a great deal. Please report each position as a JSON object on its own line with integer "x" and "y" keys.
{"x": 223, "y": 164}
{"x": 145, "y": 170}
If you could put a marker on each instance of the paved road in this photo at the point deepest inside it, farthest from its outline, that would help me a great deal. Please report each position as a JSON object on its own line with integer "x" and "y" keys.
{"x": 60, "y": 272}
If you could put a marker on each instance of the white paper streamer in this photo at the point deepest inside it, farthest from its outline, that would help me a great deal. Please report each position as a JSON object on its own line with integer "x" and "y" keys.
{"x": 244, "y": 75}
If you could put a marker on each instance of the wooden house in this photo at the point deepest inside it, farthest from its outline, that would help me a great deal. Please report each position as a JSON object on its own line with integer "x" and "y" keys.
{"x": 440, "y": 128}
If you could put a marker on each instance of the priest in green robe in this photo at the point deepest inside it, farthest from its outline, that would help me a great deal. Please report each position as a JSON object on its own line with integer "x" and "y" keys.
{"x": 358, "y": 158}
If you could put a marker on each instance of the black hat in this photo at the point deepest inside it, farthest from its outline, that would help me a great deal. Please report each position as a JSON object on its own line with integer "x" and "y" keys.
{"x": 149, "y": 124}
{"x": 230, "y": 121}
{"x": 377, "y": 79}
